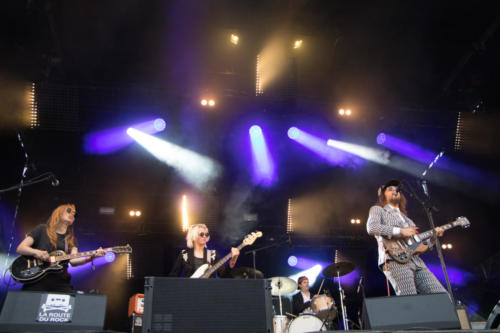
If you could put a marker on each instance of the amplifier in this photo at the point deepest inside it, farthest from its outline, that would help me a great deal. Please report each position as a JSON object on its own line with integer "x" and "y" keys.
{"x": 207, "y": 305}
{"x": 415, "y": 312}
{"x": 47, "y": 311}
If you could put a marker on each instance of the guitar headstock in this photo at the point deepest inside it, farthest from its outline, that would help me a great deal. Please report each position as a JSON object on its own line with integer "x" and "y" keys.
{"x": 251, "y": 238}
{"x": 122, "y": 249}
{"x": 463, "y": 222}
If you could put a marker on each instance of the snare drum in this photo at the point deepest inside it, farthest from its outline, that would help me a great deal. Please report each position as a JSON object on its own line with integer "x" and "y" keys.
{"x": 305, "y": 323}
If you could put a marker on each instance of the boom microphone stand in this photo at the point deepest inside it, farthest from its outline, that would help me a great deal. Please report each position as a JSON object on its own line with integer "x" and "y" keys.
{"x": 254, "y": 251}
{"x": 428, "y": 208}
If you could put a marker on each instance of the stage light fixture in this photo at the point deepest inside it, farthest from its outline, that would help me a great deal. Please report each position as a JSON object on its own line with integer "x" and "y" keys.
{"x": 131, "y": 213}
{"x": 184, "y": 213}
{"x": 289, "y": 217}
{"x": 211, "y": 102}
{"x": 138, "y": 213}
{"x": 110, "y": 256}
{"x": 292, "y": 261}
{"x": 234, "y": 39}
{"x": 204, "y": 102}
{"x": 341, "y": 112}
{"x": 348, "y": 112}
{"x": 297, "y": 44}
{"x": 159, "y": 124}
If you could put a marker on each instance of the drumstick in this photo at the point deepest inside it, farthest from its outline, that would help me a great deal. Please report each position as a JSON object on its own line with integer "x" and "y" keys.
{"x": 321, "y": 286}
{"x": 290, "y": 314}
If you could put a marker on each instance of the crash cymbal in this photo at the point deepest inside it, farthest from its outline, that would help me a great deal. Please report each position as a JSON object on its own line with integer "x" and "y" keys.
{"x": 246, "y": 273}
{"x": 282, "y": 285}
{"x": 343, "y": 268}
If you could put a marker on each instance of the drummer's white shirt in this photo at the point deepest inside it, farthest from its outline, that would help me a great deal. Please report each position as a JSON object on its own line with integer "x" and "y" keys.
{"x": 305, "y": 297}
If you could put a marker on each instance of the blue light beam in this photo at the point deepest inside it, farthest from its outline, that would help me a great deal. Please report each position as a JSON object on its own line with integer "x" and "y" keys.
{"x": 263, "y": 164}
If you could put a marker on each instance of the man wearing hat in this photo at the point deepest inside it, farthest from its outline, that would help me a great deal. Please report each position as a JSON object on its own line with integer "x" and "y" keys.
{"x": 388, "y": 218}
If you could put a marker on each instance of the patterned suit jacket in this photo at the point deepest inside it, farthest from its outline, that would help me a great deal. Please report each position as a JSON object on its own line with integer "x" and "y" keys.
{"x": 381, "y": 223}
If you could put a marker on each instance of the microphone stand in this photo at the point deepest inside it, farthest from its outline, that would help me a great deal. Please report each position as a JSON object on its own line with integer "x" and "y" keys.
{"x": 24, "y": 183}
{"x": 254, "y": 253}
{"x": 428, "y": 208}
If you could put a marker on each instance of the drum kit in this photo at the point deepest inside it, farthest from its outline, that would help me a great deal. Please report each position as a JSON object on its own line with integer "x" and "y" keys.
{"x": 322, "y": 307}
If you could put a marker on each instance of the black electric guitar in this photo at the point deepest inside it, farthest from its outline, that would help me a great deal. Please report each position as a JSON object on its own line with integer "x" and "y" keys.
{"x": 402, "y": 249}
{"x": 205, "y": 270}
{"x": 27, "y": 269}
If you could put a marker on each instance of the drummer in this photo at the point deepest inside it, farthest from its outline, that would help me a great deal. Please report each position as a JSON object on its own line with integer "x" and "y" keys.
{"x": 302, "y": 300}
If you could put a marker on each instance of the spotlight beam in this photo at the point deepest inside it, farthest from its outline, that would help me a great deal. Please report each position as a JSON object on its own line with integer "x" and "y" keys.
{"x": 196, "y": 169}
{"x": 317, "y": 145}
{"x": 108, "y": 141}
{"x": 263, "y": 164}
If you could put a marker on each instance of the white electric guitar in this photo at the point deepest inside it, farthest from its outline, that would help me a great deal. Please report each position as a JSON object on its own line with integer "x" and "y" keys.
{"x": 205, "y": 270}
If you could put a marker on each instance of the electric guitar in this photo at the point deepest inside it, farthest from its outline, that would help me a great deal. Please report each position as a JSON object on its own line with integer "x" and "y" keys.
{"x": 402, "y": 249}
{"x": 27, "y": 269}
{"x": 205, "y": 270}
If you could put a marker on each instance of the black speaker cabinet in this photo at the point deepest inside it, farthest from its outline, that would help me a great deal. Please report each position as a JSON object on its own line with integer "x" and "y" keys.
{"x": 44, "y": 311}
{"x": 416, "y": 312}
{"x": 207, "y": 305}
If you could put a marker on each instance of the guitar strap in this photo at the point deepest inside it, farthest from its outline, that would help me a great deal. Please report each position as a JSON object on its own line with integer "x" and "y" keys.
{"x": 66, "y": 245}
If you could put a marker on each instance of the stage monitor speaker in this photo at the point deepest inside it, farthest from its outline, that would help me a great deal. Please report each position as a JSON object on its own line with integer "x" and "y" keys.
{"x": 416, "y": 312}
{"x": 207, "y": 305}
{"x": 494, "y": 318}
{"x": 46, "y": 311}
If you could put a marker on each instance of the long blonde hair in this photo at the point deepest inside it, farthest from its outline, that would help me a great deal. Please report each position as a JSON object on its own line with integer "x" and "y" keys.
{"x": 54, "y": 221}
{"x": 193, "y": 232}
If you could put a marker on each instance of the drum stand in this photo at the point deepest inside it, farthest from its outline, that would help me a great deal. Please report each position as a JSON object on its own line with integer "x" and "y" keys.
{"x": 342, "y": 307}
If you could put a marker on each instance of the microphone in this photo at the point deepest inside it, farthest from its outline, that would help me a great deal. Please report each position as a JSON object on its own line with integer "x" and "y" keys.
{"x": 359, "y": 285}
{"x": 53, "y": 180}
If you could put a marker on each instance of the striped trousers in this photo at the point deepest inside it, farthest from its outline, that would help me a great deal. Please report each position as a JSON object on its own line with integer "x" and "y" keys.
{"x": 410, "y": 278}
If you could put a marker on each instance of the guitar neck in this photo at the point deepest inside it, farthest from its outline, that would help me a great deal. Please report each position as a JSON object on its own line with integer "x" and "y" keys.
{"x": 220, "y": 262}
{"x": 428, "y": 234}
{"x": 79, "y": 255}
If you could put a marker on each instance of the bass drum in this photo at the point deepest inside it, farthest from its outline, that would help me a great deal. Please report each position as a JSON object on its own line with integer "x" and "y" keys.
{"x": 305, "y": 323}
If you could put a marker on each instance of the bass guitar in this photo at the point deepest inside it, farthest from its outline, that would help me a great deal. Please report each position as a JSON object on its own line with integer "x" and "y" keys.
{"x": 205, "y": 270}
{"x": 403, "y": 249}
{"x": 27, "y": 269}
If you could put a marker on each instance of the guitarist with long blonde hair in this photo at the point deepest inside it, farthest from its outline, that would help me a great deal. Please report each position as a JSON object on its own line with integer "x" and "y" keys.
{"x": 56, "y": 234}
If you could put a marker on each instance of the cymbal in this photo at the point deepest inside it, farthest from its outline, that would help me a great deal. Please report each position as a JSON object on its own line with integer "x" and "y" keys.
{"x": 343, "y": 268}
{"x": 246, "y": 273}
{"x": 282, "y": 285}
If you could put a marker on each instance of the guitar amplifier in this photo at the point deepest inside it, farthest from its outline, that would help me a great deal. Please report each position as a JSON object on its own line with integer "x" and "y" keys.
{"x": 46, "y": 311}
{"x": 207, "y": 305}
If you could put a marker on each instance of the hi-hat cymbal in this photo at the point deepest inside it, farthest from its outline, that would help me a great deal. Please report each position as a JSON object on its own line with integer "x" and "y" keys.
{"x": 343, "y": 268}
{"x": 282, "y": 285}
{"x": 246, "y": 273}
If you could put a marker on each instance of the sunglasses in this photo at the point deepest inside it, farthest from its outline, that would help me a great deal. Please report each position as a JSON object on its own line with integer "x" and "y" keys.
{"x": 203, "y": 234}
{"x": 69, "y": 211}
